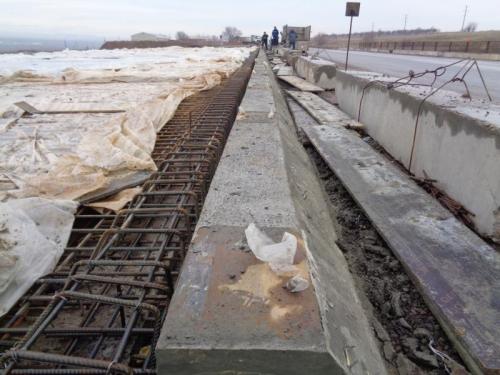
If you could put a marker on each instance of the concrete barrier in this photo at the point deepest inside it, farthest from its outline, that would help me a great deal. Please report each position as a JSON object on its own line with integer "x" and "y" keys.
{"x": 456, "y": 142}
{"x": 230, "y": 313}
{"x": 317, "y": 71}
{"x": 291, "y": 56}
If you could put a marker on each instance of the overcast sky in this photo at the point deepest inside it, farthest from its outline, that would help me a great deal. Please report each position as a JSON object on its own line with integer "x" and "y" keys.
{"x": 113, "y": 19}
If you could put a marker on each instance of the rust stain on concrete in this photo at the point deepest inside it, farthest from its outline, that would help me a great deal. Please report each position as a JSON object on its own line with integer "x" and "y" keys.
{"x": 246, "y": 292}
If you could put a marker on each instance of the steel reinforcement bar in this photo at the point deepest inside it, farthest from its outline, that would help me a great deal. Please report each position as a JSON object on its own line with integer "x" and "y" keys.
{"x": 102, "y": 308}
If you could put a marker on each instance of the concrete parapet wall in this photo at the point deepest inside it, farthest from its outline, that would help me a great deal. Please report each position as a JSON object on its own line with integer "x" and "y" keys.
{"x": 317, "y": 71}
{"x": 230, "y": 313}
{"x": 456, "y": 142}
{"x": 291, "y": 56}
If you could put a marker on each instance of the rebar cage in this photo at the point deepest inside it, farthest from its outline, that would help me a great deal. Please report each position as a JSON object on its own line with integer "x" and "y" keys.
{"x": 101, "y": 310}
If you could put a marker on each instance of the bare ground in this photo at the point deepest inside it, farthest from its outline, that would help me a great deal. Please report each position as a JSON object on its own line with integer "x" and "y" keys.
{"x": 401, "y": 320}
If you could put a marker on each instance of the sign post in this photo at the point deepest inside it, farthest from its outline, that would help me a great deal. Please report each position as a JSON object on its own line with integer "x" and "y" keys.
{"x": 351, "y": 10}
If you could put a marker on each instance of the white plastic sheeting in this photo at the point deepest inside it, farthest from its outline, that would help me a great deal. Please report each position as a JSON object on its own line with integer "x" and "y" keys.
{"x": 53, "y": 63}
{"x": 33, "y": 234}
{"x": 69, "y": 155}
{"x": 61, "y": 157}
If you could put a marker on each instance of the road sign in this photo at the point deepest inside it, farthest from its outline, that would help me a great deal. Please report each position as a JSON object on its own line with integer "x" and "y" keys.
{"x": 352, "y": 9}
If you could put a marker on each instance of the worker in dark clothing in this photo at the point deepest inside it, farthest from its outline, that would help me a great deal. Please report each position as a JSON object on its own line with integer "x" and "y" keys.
{"x": 276, "y": 34}
{"x": 275, "y": 38}
{"x": 292, "y": 38}
{"x": 264, "y": 40}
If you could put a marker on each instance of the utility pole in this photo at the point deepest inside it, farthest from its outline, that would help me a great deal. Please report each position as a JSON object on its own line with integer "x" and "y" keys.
{"x": 463, "y": 21}
{"x": 351, "y": 10}
{"x": 348, "y": 45}
{"x": 406, "y": 20}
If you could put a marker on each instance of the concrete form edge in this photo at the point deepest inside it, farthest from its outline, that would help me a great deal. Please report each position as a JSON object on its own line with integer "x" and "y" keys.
{"x": 287, "y": 129}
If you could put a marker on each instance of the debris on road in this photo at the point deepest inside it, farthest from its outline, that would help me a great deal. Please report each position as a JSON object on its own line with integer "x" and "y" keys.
{"x": 280, "y": 256}
{"x": 297, "y": 284}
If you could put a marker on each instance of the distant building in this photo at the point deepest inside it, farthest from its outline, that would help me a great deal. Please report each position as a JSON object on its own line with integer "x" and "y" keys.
{"x": 139, "y": 37}
{"x": 303, "y": 36}
{"x": 303, "y": 32}
{"x": 255, "y": 38}
{"x": 245, "y": 39}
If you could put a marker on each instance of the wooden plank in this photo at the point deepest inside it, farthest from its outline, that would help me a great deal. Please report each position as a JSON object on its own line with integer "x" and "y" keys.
{"x": 26, "y": 107}
{"x": 117, "y": 185}
{"x": 457, "y": 273}
{"x": 301, "y": 84}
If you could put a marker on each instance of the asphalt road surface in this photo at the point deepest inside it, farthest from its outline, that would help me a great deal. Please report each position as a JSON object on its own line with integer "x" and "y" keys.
{"x": 400, "y": 65}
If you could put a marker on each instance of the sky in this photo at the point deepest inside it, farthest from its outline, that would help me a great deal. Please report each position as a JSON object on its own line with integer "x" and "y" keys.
{"x": 118, "y": 19}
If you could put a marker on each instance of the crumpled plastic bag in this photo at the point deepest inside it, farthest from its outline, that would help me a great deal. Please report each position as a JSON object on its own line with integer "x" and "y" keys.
{"x": 279, "y": 255}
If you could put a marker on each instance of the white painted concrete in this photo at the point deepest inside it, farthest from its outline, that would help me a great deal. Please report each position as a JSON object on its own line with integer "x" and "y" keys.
{"x": 457, "y": 142}
{"x": 291, "y": 56}
{"x": 317, "y": 71}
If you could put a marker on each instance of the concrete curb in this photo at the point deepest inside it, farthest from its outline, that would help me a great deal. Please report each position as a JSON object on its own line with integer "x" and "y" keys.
{"x": 228, "y": 313}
